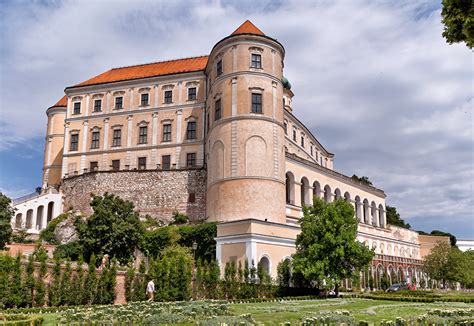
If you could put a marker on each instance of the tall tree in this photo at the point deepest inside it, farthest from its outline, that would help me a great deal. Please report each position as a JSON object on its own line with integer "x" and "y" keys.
{"x": 393, "y": 217}
{"x": 327, "y": 250}
{"x": 364, "y": 180}
{"x": 6, "y": 215}
{"x": 458, "y": 20}
{"x": 113, "y": 228}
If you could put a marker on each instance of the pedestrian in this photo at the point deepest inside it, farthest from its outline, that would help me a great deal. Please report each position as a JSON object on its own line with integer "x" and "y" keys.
{"x": 150, "y": 291}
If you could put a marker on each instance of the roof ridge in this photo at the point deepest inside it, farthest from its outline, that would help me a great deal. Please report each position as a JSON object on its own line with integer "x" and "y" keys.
{"x": 152, "y": 63}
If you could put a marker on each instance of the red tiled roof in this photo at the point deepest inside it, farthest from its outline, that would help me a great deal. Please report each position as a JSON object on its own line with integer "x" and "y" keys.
{"x": 149, "y": 70}
{"x": 247, "y": 28}
{"x": 61, "y": 102}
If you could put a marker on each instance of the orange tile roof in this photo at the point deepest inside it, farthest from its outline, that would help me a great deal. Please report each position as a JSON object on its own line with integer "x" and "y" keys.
{"x": 247, "y": 28}
{"x": 149, "y": 70}
{"x": 61, "y": 102}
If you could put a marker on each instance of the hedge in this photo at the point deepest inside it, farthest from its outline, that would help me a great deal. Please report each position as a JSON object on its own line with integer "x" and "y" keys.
{"x": 428, "y": 299}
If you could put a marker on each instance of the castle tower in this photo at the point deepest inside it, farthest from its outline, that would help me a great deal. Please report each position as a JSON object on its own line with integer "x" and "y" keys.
{"x": 53, "y": 149}
{"x": 245, "y": 135}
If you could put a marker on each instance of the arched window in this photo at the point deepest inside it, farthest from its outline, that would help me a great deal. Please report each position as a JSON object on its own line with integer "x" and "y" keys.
{"x": 337, "y": 194}
{"x": 347, "y": 197}
{"x": 265, "y": 264}
{"x": 18, "y": 220}
{"x": 50, "y": 212}
{"x": 381, "y": 216}
{"x": 358, "y": 209}
{"x": 39, "y": 217}
{"x": 366, "y": 211}
{"x": 304, "y": 191}
{"x": 373, "y": 213}
{"x": 327, "y": 194}
{"x": 29, "y": 219}
{"x": 316, "y": 189}
{"x": 290, "y": 188}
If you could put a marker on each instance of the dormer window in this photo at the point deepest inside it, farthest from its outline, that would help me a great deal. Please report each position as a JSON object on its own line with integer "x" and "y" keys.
{"x": 77, "y": 108}
{"x": 144, "y": 99}
{"x": 119, "y": 103}
{"x": 219, "y": 68}
{"x": 256, "y": 61}
{"x": 97, "y": 105}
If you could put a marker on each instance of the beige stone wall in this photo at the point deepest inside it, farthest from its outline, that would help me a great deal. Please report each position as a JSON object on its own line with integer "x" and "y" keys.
{"x": 428, "y": 242}
{"x": 157, "y": 193}
{"x": 53, "y": 151}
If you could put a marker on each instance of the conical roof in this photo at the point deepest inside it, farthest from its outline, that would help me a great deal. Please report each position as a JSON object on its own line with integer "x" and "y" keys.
{"x": 247, "y": 28}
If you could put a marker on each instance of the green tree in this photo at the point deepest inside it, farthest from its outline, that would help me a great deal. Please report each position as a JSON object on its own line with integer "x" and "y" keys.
{"x": 41, "y": 256}
{"x": 129, "y": 278}
{"x": 78, "y": 283}
{"x": 90, "y": 286}
{"x": 66, "y": 287}
{"x": 211, "y": 280}
{"x": 113, "y": 228}
{"x": 284, "y": 273}
{"x": 452, "y": 238}
{"x": 327, "y": 248}
{"x": 364, "y": 180}
{"x": 30, "y": 281}
{"x": 54, "y": 293}
{"x": 6, "y": 215}
{"x": 458, "y": 20}
{"x": 393, "y": 217}
{"x": 230, "y": 280}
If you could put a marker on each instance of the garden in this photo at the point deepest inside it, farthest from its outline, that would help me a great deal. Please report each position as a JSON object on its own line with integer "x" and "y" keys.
{"x": 282, "y": 311}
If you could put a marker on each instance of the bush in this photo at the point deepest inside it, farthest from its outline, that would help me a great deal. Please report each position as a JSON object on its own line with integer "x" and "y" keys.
{"x": 47, "y": 234}
{"x": 70, "y": 250}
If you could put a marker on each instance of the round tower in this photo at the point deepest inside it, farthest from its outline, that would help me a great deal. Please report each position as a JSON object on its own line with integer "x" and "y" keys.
{"x": 245, "y": 135}
{"x": 53, "y": 149}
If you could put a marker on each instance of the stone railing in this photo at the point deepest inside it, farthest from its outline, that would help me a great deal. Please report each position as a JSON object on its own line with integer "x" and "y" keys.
{"x": 25, "y": 198}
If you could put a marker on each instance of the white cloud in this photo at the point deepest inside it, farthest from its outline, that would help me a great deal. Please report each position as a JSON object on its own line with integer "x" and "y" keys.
{"x": 375, "y": 81}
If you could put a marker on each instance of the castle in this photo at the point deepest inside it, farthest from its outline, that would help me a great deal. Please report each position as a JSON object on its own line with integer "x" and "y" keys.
{"x": 213, "y": 137}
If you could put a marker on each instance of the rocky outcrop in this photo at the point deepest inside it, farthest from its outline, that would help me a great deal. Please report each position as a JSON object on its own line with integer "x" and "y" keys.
{"x": 65, "y": 231}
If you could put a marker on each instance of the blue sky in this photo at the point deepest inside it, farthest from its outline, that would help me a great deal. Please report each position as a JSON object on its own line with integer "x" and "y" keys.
{"x": 374, "y": 81}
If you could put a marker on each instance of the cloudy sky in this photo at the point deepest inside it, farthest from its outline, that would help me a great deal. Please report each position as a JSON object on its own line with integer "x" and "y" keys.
{"x": 374, "y": 81}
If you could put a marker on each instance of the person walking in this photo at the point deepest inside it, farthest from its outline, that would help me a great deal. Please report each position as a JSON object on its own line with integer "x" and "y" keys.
{"x": 150, "y": 291}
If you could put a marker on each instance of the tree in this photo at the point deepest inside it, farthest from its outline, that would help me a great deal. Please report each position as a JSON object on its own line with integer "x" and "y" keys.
{"x": 327, "y": 250}
{"x": 30, "y": 281}
{"x": 393, "y": 217}
{"x": 54, "y": 293}
{"x": 90, "y": 285}
{"x": 452, "y": 238}
{"x": 113, "y": 228}
{"x": 284, "y": 273}
{"x": 40, "y": 256}
{"x": 458, "y": 20}
{"x": 6, "y": 215}
{"x": 364, "y": 180}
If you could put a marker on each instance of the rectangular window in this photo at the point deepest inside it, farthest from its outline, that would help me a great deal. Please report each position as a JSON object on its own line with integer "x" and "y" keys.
{"x": 166, "y": 162}
{"x": 142, "y": 163}
{"x": 142, "y": 135}
{"x": 95, "y": 140}
{"x": 119, "y": 103}
{"x": 191, "y": 94}
{"x": 74, "y": 142}
{"x": 256, "y": 103}
{"x": 191, "y": 197}
{"x": 256, "y": 61}
{"x": 167, "y": 132}
{"x": 208, "y": 121}
{"x": 97, "y": 105}
{"x": 117, "y": 138}
{"x": 77, "y": 108}
{"x": 316, "y": 154}
{"x": 217, "y": 110}
{"x": 294, "y": 135}
{"x": 94, "y": 166}
{"x": 190, "y": 159}
{"x": 168, "y": 97}
{"x": 285, "y": 125}
{"x": 115, "y": 165}
{"x": 191, "y": 130}
{"x": 219, "y": 68}
{"x": 302, "y": 141}
{"x": 144, "y": 99}
{"x": 311, "y": 150}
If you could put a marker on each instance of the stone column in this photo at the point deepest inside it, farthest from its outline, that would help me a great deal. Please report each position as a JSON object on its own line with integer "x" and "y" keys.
{"x": 129, "y": 139}
{"x": 106, "y": 144}
{"x": 156, "y": 96}
{"x": 86, "y": 109}
{"x": 131, "y": 94}
{"x": 179, "y": 123}
{"x": 84, "y": 145}
{"x": 180, "y": 91}
{"x": 107, "y": 103}
{"x": 154, "y": 138}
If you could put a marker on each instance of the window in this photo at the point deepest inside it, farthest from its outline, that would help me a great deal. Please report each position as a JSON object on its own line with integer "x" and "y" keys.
{"x": 119, "y": 103}
{"x": 94, "y": 166}
{"x": 311, "y": 150}
{"x": 208, "y": 121}
{"x": 191, "y": 197}
{"x": 115, "y": 165}
{"x": 74, "y": 142}
{"x": 142, "y": 163}
{"x": 168, "y": 97}
{"x": 191, "y": 130}
{"x": 302, "y": 141}
{"x": 285, "y": 125}
{"x": 217, "y": 110}
{"x": 256, "y": 103}
{"x": 167, "y": 132}
{"x": 95, "y": 140}
{"x": 316, "y": 154}
{"x": 294, "y": 135}
{"x": 144, "y": 99}
{"x": 190, "y": 159}
{"x": 191, "y": 94}
{"x": 77, "y": 108}
{"x": 97, "y": 105}
{"x": 142, "y": 135}
{"x": 166, "y": 162}
{"x": 117, "y": 138}
{"x": 219, "y": 68}
{"x": 256, "y": 61}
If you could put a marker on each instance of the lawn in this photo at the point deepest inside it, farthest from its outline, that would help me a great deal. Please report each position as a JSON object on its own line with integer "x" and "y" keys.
{"x": 273, "y": 313}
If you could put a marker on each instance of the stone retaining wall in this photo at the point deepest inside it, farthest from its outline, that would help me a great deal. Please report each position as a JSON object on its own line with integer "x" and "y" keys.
{"x": 157, "y": 193}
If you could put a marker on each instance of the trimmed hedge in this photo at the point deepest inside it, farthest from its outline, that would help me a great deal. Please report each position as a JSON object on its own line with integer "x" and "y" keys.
{"x": 428, "y": 299}
{"x": 20, "y": 320}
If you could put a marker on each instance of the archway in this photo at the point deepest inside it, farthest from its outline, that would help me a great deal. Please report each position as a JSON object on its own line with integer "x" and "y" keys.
{"x": 316, "y": 189}
{"x": 366, "y": 211}
{"x": 304, "y": 191}
{"x": 327, "y": 194}
{"x": 265, "y": 264}
{"x": 373, "y": 213}
{"x": 337, "y": 194}
{"x": 29, "y": 219}
{"x": 39, "y": 217}
{"x": 290, "y": 188}
{"x": 50, "y": 212}
{"x": 381, "y": 216}
{"x": 18, "y": 220}
{"x": 358, "y": 209}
